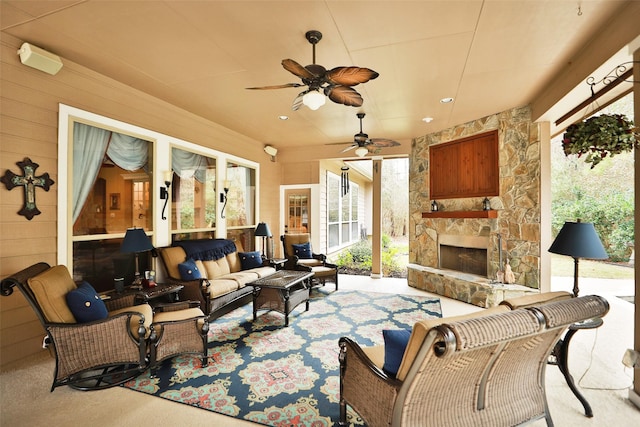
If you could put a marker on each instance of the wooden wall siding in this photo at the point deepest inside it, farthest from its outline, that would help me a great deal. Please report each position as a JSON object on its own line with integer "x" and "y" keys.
{"x": 29, "y": 128}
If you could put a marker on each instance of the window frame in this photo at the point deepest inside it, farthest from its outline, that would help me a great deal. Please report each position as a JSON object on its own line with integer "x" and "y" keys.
{"x": 352, "y": 210}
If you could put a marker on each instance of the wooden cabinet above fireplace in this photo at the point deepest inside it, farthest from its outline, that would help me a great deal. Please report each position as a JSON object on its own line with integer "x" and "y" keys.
{"x": 466, "y": 167}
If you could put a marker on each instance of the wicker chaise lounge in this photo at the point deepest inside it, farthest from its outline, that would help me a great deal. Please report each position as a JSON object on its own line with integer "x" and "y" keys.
{"x": 486, "y": 370}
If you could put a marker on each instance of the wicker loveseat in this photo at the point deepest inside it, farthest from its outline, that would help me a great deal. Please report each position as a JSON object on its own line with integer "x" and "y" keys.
{"x": 487, "y": 368}
{"x": 222, "y": 273}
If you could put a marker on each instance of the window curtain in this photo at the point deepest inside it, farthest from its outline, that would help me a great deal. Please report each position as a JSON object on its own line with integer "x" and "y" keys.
{"x": 128, "y": 152}
{"x": 189, "y": 165}
{"x": 89, "y": 145}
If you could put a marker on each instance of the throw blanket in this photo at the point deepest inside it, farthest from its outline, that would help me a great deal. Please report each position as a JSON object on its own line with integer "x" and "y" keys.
{"x": 207, "y": 249}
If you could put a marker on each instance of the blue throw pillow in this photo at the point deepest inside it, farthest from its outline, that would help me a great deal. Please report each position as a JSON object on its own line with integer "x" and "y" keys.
{"x": 395, "y": 343}
{"x": 249, "y": 260}
{"x": 85, "y": 304}
{"x": 189, "y": 270}
{"x": 302, "y": 250}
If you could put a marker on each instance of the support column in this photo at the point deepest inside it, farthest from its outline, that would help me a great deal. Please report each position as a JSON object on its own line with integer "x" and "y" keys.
{"x": 376, "y": 235}
{"x": 634, "y": 393}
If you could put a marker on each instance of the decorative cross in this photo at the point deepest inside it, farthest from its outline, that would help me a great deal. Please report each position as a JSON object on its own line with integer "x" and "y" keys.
{"x": 30, "y": 181}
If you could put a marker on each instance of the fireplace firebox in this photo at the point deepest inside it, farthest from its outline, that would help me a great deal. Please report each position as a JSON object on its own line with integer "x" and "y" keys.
{"x": 467, "y": 254}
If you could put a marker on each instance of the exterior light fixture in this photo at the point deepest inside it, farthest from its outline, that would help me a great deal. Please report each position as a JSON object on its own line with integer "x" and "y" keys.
{"x": 224, "y": 198}
{"x": 164, "y": 191}
{"x": 314, "y": 99}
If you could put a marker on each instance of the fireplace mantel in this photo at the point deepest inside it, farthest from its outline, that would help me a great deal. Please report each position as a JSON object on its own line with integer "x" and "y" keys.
{"x": 461, "y": 214}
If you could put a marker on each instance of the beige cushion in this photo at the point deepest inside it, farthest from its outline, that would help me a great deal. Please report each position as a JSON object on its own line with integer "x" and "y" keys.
{"x": 143, "y": 309}
{"x": 321, "y": 271}
{"x": 263, "y": 271}
{"x": 216, "y": 268}
{"x": 219, "y": 287}
{"x": 421, "y": 328}
{"x": 310, "y": 262}
{"x": 376, "y": 354}
{"x": 242, "y": 277}
{"x": 169, "y": 316}
{"x": 535, "y": 299}
{"x": 233, "y": 261}
{"x": 173, "y": 256}
{"x": 50, "y": 289}
{"x": 291, "y": 239}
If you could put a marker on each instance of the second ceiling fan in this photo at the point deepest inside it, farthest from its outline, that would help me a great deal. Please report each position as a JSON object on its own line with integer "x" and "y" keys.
{"x": 335, "y": 83}
{"x": 363, "y": 144}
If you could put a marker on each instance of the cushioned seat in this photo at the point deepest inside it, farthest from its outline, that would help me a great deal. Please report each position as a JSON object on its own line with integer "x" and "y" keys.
{"x": 300, "y": 256}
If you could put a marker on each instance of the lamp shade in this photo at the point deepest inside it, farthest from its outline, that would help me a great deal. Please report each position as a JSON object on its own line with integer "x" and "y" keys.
{"x": 313, "y": 99}
{"x": 136, "y": 240}
{"x": 578, "y": 240}
{"x": 262, "y": 230}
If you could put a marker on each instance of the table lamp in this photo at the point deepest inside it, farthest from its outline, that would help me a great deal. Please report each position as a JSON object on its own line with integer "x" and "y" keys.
{"x": 262, "y": 230}
{"x": 578, "y": 240}
{"x": 136, "y": 241}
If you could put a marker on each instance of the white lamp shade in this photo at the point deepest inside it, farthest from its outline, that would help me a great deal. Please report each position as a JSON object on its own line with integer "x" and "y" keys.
{"x": 361, "y": 151}
{"x": 313, "y": 99}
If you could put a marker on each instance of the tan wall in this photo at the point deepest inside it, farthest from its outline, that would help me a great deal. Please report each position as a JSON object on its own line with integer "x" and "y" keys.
{"x": 29, "y": 127}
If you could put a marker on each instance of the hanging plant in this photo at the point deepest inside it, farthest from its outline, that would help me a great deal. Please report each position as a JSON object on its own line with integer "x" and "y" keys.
{"x": 601, "y": 136}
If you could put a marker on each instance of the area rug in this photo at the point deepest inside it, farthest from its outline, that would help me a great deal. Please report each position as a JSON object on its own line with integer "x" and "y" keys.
{"x": 274, "y": 375}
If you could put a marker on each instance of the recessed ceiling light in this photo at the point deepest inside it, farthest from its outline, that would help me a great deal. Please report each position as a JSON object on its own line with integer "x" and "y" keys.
{"x": 283, "y": 117}
{"x": 427, "y": 119}
{"x": 446, "y": 100}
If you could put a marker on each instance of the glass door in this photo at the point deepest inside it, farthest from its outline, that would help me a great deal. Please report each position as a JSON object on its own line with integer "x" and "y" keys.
{"x": 298, "y": 210}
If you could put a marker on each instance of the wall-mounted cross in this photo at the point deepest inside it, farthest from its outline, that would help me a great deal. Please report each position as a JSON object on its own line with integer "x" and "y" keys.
{"x": 29, "y": 181}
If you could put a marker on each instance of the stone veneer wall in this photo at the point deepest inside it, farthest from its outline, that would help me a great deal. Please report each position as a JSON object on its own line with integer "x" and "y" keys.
{"x": 518, "y": 204}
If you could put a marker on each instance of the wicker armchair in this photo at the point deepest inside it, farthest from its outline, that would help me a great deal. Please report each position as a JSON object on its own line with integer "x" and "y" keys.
{"x": 103, "y": 353}
{"x": 323, "y": 271}
{"x": 487, "y": 370}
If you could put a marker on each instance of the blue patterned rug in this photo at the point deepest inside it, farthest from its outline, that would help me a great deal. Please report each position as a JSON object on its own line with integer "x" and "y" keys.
{"x": 283, "y": 376}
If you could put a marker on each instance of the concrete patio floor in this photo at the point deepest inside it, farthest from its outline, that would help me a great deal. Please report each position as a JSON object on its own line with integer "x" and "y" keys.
{"x": 594, "y": 360}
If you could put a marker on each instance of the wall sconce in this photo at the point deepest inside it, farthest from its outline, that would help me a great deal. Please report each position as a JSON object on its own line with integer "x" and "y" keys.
{"x": 224, "y": 198}
{"x": 164, "y": 191}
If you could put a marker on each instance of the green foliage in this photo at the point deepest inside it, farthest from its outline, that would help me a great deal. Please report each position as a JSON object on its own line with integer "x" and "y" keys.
{"x": 599, "y": 136}
{"x": 357, "y": 258}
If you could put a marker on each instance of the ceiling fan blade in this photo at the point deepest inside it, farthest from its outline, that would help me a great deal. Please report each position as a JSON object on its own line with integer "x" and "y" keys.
{"x": 343, "y": 95}
{"x": 276, "y": 86}
{"x": 293, "y": 67}
{"x": 349, "y": 148}
{"x": 297, "y": 103}
{"x": 349, "y": 76}
{"x": 340, "y": 143}
{"x": 383, "y": 142}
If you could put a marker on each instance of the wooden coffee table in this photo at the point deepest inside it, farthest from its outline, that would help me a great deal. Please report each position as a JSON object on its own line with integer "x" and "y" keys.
{"x": 282, "y": 292}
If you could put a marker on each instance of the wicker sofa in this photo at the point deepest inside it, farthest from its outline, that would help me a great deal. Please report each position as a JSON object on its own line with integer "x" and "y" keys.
{"x": 222, "y": 280}
{"x": 486, "y": 368}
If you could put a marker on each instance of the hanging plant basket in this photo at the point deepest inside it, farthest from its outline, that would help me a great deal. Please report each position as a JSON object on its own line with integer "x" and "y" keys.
{"x": 601, "y": 136}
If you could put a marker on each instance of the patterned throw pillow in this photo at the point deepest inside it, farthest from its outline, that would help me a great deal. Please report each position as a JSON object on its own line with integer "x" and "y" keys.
{"x": 85, "y": 304}
{"x": 189, "y": 270}
{"x": 302, "y": 250}
{"x": 395, "y": 343}
{"x": 249, "y": 260}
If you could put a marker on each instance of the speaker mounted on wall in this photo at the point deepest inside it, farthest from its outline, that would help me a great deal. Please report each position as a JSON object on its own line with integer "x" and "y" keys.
{"x": 39, "y": 59}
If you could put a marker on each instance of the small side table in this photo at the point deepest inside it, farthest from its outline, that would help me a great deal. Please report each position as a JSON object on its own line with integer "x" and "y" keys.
{"x": 130, "y": 296}
{"x": 277, "y": 263}
{"x": 561, "y": 354}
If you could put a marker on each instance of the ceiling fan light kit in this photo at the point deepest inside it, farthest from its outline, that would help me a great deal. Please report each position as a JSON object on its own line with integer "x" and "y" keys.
{"x": 313, "y": 99}
{"x": 335, "y": 83}
{"x": 361, "y": 151}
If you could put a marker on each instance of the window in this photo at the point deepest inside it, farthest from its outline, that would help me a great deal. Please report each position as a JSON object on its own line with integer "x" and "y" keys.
{"x": 193, "y": 195}
{"x": 111, "y": 192}
{"x": 342, "y": 213}
{"x": 240, "y": 210}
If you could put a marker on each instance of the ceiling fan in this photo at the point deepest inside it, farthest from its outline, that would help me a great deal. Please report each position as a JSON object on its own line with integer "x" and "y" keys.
{"x": 363, "y": 143}
{"x": 335, "y": 83}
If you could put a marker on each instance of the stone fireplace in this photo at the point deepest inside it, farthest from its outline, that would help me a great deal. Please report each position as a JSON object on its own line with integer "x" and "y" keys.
{"x": 456, "y": 252}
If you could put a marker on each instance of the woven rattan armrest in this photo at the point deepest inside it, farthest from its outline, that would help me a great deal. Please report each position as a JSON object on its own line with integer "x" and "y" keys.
{"x": 357, "y": 374}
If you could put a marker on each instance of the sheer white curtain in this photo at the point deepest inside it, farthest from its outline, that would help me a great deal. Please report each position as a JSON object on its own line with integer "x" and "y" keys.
{"x": 89, "y": 146}
{"x": 187, "y": 164}
{"x": 128, "y": 152}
